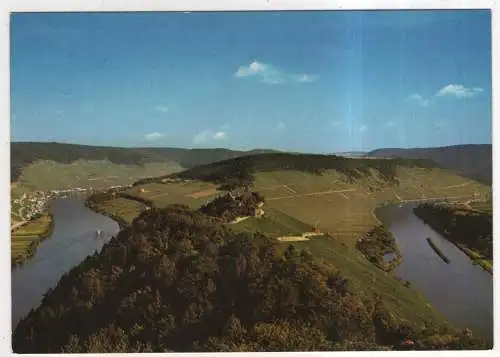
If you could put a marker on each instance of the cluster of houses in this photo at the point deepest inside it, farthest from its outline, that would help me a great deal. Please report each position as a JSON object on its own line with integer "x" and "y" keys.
{"x": 34, "y": 203}
{"x": 176, "y": 180}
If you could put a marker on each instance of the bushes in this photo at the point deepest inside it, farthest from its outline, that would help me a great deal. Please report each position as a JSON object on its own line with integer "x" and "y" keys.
{"x": 377, "y": 243}
{"x": 229, "y": 208}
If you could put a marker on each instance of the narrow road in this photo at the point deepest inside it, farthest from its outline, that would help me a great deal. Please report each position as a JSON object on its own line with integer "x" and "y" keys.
{"x": 311, "y": 194}
{"x": 17, "y": 225}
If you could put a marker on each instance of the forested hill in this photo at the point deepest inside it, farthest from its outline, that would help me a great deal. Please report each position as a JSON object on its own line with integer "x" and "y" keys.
{"x": 239, "y": 171}
{"x": 471, "y": 161}
{"x": 177, "y": 280}
{"x": 25, "y": 153}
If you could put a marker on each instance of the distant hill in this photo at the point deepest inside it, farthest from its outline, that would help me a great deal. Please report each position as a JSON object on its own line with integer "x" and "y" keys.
{"x": 471, "y": 161}
{"x": 24, "y": 154}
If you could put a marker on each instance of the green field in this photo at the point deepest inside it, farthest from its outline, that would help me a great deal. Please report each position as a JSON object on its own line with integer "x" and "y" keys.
{"x": 192, "y": 194}
{"x": 122, "y": 207}
{"x": 161, "y": 195}
{"x": 26, "y": 238}
{"x": 344, "y": 210}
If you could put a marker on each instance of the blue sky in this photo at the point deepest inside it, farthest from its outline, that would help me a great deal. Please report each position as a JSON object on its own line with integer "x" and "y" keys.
{"x": 302, "y": 81}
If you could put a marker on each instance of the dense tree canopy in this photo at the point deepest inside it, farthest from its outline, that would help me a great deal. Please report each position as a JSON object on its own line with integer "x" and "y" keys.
{"x": 179, "y": 280}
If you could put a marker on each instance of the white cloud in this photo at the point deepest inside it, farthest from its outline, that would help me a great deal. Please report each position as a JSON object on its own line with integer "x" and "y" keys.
{"x": 362, "y": 128}
{"x": 161, "y": 108}
{"x": 220, "y": 135}
{"x": 154, "y": 136}
{"x": 418, "y": 99}
{"x": 206, "y": 135}
{"x": 281, "y": 126}
{"x": 391, "y": 124}
{"x": 458, "y": 91}
{"x": 253, "y": 69}
{"x": 271, "y": 75}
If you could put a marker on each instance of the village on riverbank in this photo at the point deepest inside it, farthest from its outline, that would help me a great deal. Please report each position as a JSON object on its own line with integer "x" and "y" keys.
{"x": 31, "y": 222}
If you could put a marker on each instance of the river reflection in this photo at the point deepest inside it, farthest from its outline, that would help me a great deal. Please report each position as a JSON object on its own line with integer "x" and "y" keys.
{"x": 72, "y": 240}
{"x": 461, "y": 291}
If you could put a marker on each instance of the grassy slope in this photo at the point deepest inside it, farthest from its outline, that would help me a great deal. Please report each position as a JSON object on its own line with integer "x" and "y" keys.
{"x": 274, "y": 223}
{"x": 162, "y": 194}
{"x": 25, "y": 153}
{"x": 122, "y": 207}
{"x": 25, "y": 239}
{"x": 48, "y": 175}
{"x": 296, "y": 200}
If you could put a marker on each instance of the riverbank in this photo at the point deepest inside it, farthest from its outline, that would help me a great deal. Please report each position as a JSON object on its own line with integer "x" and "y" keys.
{"x": 450, "y": 224}
{"x": 470, "y": 288}
{"x": 71, "y": 241}
{"x": 476, "y": 258}
{"x": 122, "y": 223}
{"x": 25, "y": 240}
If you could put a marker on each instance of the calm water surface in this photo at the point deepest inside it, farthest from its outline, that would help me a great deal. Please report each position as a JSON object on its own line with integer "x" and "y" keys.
{"x": 72, "y": 240}
{"x": 461, "y": 291}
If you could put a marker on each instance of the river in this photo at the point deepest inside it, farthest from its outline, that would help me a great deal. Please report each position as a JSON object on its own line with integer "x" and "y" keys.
{"x": 461, "y": 291}
{"x": 72, "y": 240}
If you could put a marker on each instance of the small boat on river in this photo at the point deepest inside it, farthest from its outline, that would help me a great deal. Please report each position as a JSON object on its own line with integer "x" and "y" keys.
{"x": 438, "y": 251}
